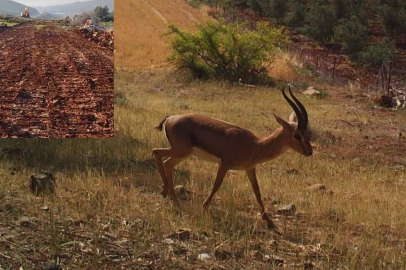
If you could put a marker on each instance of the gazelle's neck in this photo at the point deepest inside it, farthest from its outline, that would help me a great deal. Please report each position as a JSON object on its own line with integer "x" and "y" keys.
{"x": 272, "y": 146}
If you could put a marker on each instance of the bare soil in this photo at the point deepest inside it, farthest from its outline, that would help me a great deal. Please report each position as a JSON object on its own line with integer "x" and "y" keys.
{"x": 55, "y": 83}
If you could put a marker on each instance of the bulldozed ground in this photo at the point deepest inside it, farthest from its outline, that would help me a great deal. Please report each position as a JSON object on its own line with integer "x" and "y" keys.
{"x": 55, "y": 82}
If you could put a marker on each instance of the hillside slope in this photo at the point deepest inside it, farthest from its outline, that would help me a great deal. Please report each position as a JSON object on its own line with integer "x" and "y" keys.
{"x": 13, "y": 8}
{"x": 141, "y": 25}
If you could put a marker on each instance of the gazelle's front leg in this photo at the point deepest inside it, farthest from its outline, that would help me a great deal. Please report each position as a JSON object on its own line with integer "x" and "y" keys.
{"x": 169, "y": 164}
{"x": 221, "y": 173}
{"x": 252, "y": 176}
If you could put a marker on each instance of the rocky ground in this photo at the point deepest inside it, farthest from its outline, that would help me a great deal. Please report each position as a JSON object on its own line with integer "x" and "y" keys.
{"x": 55, "y": 82}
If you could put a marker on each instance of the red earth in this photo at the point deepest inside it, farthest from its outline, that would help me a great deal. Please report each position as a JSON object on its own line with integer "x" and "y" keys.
{"x": 55, "y": 83}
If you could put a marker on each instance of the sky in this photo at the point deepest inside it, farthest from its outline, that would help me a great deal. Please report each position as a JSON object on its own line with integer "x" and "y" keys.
{"x": 47, "y": 2}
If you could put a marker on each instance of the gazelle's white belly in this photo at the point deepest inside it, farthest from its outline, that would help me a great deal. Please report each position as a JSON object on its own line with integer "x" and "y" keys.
{"x": 203, "y": 155}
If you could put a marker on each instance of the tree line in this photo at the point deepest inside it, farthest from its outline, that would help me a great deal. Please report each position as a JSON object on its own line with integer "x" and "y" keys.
{"x": 348, "y": 23}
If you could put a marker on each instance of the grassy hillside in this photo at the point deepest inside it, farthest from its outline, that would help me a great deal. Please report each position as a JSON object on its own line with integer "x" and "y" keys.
{"x": 141, "y": 26}
{"x": 8, "y": 7}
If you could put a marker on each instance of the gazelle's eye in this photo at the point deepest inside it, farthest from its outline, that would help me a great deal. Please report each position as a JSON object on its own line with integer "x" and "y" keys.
{"x": 298, "y": 137}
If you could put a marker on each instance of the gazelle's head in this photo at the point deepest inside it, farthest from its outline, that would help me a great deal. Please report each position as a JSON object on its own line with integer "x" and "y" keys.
{"x": 295, "y": 132}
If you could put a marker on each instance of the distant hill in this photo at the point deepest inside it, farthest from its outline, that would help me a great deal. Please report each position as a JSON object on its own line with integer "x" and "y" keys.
{"x": 76, "y": 8}
{"x": 48, "y": 16}
{"x": 13, "y": 8}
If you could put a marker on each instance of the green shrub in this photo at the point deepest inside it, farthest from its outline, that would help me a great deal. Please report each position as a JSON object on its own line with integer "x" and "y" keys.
{"x": 393, "y": 19}
{"x": 374, "y": 54}
{"x": 279, "y": 8}
{"x": 321, "y": 21}
{"x": 227, "y": 52}
{"x": 352, "y": 34}
{"x": 296, "y": 16}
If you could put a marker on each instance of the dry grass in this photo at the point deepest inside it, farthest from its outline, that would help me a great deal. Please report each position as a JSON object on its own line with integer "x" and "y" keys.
{"x": 107, "y": 211}
{"x": 141, "y": 26}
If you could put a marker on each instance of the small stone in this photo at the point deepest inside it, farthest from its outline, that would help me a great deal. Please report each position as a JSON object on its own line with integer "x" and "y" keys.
{"x": 273, "y": 259}
{"x": 24, "y": 221}
{"x": 222, "y": 254}
{"x": 180, "y": 234}
{"x": 257, "y": 255}
{"x": 287, "y": 209}
{"x": 310, "y": 91}
{"x": 204, "y": 257}
{"x": 168, "y": 241}
{"x": 45, "y": 207}
{"x": 317, "y": 187}
{"x": 182, "y": 193}
{"x": 308, "y": 265}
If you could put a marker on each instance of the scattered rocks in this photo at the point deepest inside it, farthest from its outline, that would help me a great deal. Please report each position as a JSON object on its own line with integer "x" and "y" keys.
{"x": 104, "y": 39}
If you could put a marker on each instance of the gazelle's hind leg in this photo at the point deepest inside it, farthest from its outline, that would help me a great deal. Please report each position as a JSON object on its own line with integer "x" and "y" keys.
{"x": 159, "y": 155}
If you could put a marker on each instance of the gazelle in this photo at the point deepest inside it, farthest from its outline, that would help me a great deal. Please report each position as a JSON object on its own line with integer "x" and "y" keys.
{"x": 231, "y": 146}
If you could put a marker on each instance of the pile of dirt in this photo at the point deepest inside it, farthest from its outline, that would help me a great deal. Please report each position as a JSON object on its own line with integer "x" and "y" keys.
{"x": 54, "y": 84}
{"x": 104, "y": 39}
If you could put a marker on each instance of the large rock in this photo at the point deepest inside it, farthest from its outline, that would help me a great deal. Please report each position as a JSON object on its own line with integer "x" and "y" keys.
{"x": 310, "y": 91}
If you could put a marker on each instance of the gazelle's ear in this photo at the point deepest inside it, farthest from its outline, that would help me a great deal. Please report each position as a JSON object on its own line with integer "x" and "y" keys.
{"x": 282, "y": 122}
{"x": 293, "y": 117}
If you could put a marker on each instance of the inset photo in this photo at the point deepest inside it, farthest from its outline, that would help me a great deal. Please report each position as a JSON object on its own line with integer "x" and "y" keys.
{"x": 56, "y": 69}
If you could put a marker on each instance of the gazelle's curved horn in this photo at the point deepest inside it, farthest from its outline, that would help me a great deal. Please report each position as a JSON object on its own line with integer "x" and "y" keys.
{"x": 302, "y": 109}
{"x": 299, "y": 115}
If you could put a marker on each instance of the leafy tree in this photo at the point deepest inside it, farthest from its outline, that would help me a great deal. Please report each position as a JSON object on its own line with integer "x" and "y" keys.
{"x": 393, "y": 19}
{"x": 321, "y": 22}
{"x": 279, "y": 8}
{"x": 103, "y": 13}
{"x": 352, "y": 34}
{"x": 374, "y": 54}
{"x": 295, "y": 17}
{"x": 226, "y": 52}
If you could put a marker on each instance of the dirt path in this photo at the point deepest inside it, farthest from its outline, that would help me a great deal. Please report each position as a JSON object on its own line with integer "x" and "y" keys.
{"x": 54, "y": 83}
